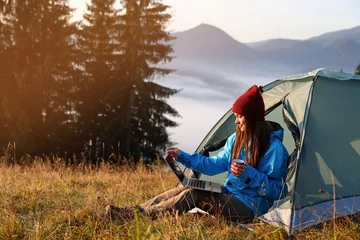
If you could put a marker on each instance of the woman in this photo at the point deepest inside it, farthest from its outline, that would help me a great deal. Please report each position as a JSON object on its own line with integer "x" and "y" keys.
{"x": 251, "y": 188}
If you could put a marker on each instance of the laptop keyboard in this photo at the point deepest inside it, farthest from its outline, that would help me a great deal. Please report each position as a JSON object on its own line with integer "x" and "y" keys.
{"x": 196, "y": 183}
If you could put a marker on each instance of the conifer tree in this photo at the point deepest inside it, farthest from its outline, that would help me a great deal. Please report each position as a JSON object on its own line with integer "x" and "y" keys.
{"x": 6, "y": 27}
{"x": 142, "y": 118}
{"x": 97, "y": 45}
{"x": 40, "y": 36}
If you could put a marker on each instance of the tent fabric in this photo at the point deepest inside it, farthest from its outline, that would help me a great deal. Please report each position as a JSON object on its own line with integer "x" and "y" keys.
{"x": 332, "y": 121}
{"x": 284, "y": 216}
{"x": 320, "y": 110}
{"x": 327, "y": 163}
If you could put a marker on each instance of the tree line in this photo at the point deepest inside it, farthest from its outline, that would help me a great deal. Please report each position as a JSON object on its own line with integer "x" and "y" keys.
{"x": 85, "y": 87}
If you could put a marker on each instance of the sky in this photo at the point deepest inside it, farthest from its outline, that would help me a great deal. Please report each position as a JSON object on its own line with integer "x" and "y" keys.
{"x": 251, "y": 21}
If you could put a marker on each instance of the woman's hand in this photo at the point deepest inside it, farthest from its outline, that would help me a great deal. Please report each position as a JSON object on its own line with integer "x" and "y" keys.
{"x": 237, "y": 169}
{"x": 173, "y": 152}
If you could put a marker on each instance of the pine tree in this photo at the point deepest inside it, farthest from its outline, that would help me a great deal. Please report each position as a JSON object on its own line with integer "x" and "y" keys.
{"x": 97, "y": 46}
{"x": 142, "y": 118}
{"x": 60, "y": 119}
{"x": 6, "y": 28}
{"x": 40, "y": 37}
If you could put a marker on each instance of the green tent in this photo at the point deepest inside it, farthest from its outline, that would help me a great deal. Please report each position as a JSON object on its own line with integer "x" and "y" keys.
{"x": 320, "y": 114}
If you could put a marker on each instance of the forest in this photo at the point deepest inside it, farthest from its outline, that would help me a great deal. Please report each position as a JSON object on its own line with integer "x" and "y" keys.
{"x": 85, "y": 89}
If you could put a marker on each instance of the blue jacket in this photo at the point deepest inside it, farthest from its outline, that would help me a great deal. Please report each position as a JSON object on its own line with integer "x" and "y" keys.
{"x": 256, "y": 188}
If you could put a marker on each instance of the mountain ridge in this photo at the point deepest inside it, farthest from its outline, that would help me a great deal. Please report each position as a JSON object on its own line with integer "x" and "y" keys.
{"x": 203, "y": 41}
{"x": 347, "y": 31}
{"x": 207, "y": 44}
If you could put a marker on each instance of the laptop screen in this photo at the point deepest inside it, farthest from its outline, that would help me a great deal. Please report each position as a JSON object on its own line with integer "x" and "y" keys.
{"x": 171, "y": 162}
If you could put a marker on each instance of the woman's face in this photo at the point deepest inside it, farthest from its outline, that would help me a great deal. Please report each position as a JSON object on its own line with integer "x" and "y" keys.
{"x": 240, "y": 122}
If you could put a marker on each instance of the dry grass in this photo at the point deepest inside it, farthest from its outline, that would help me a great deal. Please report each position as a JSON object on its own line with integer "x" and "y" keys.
{"x": 52, "y": 201}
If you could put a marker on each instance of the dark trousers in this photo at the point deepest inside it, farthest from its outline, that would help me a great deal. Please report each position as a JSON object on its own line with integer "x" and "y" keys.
{"x": 184, "y": 199}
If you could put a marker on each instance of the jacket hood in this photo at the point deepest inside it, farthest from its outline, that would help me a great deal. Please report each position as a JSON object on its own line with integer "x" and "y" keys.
{"x": 278, "y": 133}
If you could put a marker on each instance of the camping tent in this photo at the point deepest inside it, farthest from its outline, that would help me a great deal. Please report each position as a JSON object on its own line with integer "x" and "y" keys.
{"x": 320, "y": 114}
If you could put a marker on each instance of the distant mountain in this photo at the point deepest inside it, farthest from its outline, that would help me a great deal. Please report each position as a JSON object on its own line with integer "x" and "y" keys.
{"x": 206, "y": 45}
{"x": 273, "y": 44}
{"x": 352, "y": 33}
{"x": 324, "y": 40}
{"x": 208, "y": 42}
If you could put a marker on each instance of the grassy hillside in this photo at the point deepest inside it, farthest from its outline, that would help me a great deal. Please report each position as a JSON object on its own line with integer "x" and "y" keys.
{"x": 48, "y": 200}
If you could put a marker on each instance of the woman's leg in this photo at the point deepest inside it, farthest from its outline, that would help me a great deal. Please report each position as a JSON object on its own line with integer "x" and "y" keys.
{"x": 184, "y": 199}
{"x": 165, "y": 201}
{"x": 215, "y": 203}
{"x": 161, "y": 203}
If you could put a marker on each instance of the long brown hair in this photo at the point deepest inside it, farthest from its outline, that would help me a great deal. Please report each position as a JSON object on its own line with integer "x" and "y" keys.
{"x": 255, "y": 140}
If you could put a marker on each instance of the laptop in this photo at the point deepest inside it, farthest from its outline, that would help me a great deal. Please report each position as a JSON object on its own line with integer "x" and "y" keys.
{"x": 195, "y": 183}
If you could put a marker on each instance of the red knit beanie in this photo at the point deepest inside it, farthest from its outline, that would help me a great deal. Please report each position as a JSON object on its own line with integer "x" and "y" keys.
{"x": 250, "y": 104}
